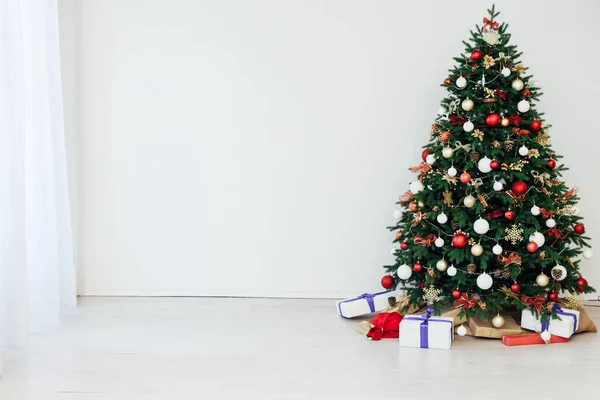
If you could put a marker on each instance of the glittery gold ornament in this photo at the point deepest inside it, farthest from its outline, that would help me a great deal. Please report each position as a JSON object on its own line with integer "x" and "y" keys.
{"x": 472, "y": 242}
{"x": 448, "y": 198}
{"x": 505, "y": 122}
{"x": 574, "y": 302}
{"x": 543, "y": 139}
{"x": 533, "y": 153}
{"x": 478, "y": 134}
{"x": 488, "y": 61}
{"x": 471, "y": 268}
{"x": 509, "y": 145}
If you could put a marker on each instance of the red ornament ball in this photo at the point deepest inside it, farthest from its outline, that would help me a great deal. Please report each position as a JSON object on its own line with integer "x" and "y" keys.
{"x": 582, "y": 282}
{"x": 581, "y": 289}
{"x": 446, "y": 136}
{"x": 519, "y": 188}
{"x": 515, "y": 288}
{"x": 579, "y": 229}
{"x": 403, "y": 246}
{"x": 552, "y": 296}
{"x": 456, "y": 294}
{"x": 387, "y": 282}
{"x": 398, "y": 234}
{"x": 552, "y": 163}
{"x": 459, "y": 240}
{"x": 493, "y": 119}
{"x": 417, "y": 267}
{"x": 532, "y": 247}
{"x": 526, "y": 93}
{"x": 413, "y": 206}
{"x": 509, "y": 215}
{"x": 465, "y": 177}
{"x": 476, "y": 55}
{"x": 425, "y": 153}
{"x": 535, "y": 125}
{"x": 494, "y": 164}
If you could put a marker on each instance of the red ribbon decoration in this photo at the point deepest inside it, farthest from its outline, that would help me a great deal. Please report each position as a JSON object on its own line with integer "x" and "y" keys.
{"x": 514, "y": 119}
{"x": 557, "y": 233}
{"x": 418, "y": 218}
{"x": 546, "y": 214}
{"x": 406, "y": 197}
{"x": 500, "y": 94}
{"x": 494, "y": 25}
{"x": 420, "y": 169}
{"x": 534, "y": 301}
{"x": 513, "y": 258}
{"x": 465, "y": 302}
{"x": 425, "y": 241}
{"x": 456, "y": 120}
{"x": 521, "y": 132}
{"x": 494, "y": 214}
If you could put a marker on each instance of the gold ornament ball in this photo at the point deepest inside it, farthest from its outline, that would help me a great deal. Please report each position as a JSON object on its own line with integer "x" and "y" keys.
{"x": 468, "y": 104}
{"x": 517, "y": 84}
{"x": 442, "y": 265}
{"x": 498, "y": 321}
{"x": 477, "y": 250}
{"x": 505, "y": 122}
{"x": 469, "y": 201}
{"x": 447, "y": 152}
{"x": 542, "y": 280}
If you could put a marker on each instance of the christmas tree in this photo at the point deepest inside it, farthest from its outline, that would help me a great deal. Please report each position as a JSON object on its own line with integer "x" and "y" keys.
{"x": 488, "y": 223}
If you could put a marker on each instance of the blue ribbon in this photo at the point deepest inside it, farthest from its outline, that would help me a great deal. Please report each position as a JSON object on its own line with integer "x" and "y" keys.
{"x": 556, "y": 308}
{"x": 366, "y": 296}
{"x": 424, "y": 328}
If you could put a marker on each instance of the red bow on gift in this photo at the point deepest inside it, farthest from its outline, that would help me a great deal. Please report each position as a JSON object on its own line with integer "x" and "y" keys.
{"x": 534, "y": 301}
{"x": 465, "y": 302}
{"x": 384, "y": 325}
{"x": 486, "y": 22}
{"x": 425, "y": 241}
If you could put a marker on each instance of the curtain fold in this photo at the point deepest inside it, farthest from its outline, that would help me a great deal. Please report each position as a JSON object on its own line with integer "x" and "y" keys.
{"x": 37, "y": 271}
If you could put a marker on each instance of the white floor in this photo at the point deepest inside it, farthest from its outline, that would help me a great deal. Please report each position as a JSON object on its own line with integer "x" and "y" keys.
{"x": 193, "y": 348}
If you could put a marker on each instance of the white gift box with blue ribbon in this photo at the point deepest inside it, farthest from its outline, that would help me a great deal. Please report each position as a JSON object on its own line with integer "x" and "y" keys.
{"x": 563, "y": 327}
{"x": 366, "y": 303}
{"x": 427, "y": 331}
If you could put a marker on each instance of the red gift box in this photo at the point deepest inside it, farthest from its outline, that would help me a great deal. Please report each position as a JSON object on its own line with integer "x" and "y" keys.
{"x": 530, "y": 338}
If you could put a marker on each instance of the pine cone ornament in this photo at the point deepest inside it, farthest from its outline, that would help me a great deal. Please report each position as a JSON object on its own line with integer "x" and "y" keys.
{"x": 474, "y": 156}
{"x": 454, "y": 225}
{"x": 505, "y": 273}
{"x": 471, "y": 268}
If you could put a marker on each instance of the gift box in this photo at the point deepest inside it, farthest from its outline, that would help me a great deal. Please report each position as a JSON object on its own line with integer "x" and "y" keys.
{"x": 563, "y": 327}
{"x": 426, "y": 331}
{"x": 484, "y": 328}
{"x": 365, "y": 304}
{"x": 530, "y": 338}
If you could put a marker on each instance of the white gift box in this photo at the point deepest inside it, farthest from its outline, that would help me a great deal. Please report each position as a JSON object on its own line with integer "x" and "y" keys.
{"x": 426, "y": 331}
{"x": 563, "y": 327}
{"x": 366, "y": 303}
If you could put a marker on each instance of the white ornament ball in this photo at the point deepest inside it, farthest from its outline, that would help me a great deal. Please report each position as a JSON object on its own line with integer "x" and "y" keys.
{"x": 535, "y": 210}
{"x": 393, "y": 251}
{"x": 441, "y": 265}
{"x": 416, "y": 187}
{"x": 523, "y": 106}
{"x": 517, "y": 84}
{"x": 467, "y": 105}
{"x": 497, "y": 249}
{"x": 468, "y": 126}
{"x": 498, "y": 321}
{"x": 452, "y": 171}
{"x": 469, "y": 201}
{"x": 550, "y": 223}
{"x": 588, "y": 253}
{"x": 447, "y": 152}
{"x": 498, "y": 186}
{"x": 484, "y": 281}
{"x": 538, "y": 238}
{"x": 439, "y": 242}
{"x": 481, "y": 226}
{"x": 546, "y": 336}
{"x": 523, "y": 150}
{"x": 477, "y": 250}
{"x": 451, "y": 271}
{"x": 559, "y": 272}
{"x": 441, "y": 111}
{"x": 430, "y": 159}
{"x": 461, "y": 330}
{"x": 505, "y": 72}
{"x": 461, "y": 82}
{"x": 484, "y": 165}
{"x": 442, "y": 218}
{"x": 397, "y": 214}
{"x": 542, "y": 279}
{"x": 404, "y": 272}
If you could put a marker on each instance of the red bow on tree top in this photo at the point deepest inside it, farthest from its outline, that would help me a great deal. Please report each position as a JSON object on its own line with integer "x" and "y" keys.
{"x": 494, "y": 25}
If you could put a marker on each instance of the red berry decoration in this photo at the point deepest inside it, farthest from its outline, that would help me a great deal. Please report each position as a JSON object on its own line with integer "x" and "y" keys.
{"x": 579, "y": 229}
{"x": 515, "y": 288}
{"x": 532, "y": 247}
{"x": 582, "y": 282}
{"x": 552, "y": 296}
{"x": 493, "y": 119}
{"x": 494, "y": 164}
{"x": 456, "y": 294}
{"x": 387, "y": 282}
{"x": 425, "y": 153}
{"x": 535, "y": 125}
{"x": 403, "y": 246}
{"x": 509, "y": 215}
{"x": 476, "y": 55}
{"x": 465, "y": 177}
{"x": 417, "y": 267}
{"x": 552, "y": 163}
{"x": 459, "y": 240}
{"x": 519, "y": 188}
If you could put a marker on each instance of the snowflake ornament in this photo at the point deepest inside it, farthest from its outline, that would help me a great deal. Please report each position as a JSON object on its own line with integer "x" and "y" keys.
{"x": 514, "y": 234}
{"x": 431, "y": 294}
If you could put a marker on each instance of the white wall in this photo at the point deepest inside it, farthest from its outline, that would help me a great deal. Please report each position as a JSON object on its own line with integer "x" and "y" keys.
{"x": 257, "y": 147}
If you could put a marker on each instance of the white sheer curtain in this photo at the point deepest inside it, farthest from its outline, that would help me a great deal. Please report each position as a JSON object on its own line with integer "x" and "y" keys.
{"x": 37, "y": 273}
